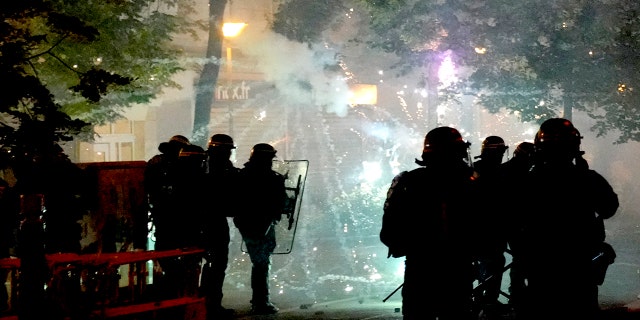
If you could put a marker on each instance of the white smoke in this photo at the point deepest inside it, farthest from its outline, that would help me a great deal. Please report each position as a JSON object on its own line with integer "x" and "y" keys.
{"x": 298, "y": 71}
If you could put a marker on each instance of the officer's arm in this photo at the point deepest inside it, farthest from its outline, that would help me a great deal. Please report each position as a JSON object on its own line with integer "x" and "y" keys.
{"x": 606, "y": 200}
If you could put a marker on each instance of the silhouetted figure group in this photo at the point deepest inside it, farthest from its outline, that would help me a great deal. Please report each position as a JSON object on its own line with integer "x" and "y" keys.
{"x": 453, "y": 221}
{"x": 42, "y": 199}
{"x": 173, "y": 184}
{"x": 191, "y": 194}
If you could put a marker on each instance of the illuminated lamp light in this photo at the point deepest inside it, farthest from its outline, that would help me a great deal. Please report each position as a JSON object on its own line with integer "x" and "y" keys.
{"x": 363, "y": 94}
{"x": 622, "y": 87}
{"x": 232, "y": 29}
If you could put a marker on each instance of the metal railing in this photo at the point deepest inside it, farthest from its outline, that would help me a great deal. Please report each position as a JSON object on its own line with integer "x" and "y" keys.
{"x": 107, "y": 285}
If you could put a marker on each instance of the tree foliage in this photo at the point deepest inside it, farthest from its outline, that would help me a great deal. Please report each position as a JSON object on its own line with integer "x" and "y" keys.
{"x": 70, "y": 65}
{"x": 537, "y": 59}
{"x": 304, "y": 21}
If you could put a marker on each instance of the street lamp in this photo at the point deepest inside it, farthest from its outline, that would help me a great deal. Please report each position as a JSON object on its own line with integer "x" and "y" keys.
{"x": 363, "y": 94}
{"x": 230, "y": 30}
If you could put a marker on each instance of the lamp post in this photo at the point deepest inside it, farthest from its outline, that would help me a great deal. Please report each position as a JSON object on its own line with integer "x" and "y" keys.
{"x": 230, "y": 30}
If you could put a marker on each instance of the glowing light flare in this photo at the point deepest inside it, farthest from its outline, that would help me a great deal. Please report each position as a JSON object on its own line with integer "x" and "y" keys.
{"x": 356, "y": 132}
{"x": 375, "y": 276}
{"x": 622, "y": 87}
{"x": 480, "y": 50}
{"x": 350, "y": 13}
{"x": 232, "y": 29}
{"x": 405, "y": 107}
{"x": 441, "y": 110}
{"x": 363, "y": 94}
{"x": 261, "y": 115}
{"x": 371, "y": 171}
{"x": 395, "y": 166}
{"x": 348, "y": 288}
{"x": 447, "y": 72}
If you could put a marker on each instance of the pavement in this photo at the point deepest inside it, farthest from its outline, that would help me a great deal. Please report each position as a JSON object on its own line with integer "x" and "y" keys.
{"x": 347, "y": 309}
{"x": 354, "y": 309}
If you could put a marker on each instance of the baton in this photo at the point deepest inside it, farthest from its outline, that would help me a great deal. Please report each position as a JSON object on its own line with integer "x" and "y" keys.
{"x": 392, "y": 293}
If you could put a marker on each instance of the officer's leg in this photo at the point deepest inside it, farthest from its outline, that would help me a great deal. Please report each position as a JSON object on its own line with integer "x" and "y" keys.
{"x": 260, "y": 253}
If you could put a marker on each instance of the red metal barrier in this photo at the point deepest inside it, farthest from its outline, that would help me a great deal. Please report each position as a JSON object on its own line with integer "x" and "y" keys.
{"x": 97, "y": 274}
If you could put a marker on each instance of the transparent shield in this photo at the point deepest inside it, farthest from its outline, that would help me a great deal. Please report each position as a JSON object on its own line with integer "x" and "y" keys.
{"x": 295, "y": 173}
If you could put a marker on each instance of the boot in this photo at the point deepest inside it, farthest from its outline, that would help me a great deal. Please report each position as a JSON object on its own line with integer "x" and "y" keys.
{"x": 211, "y": 289}
{"x": 264, "y": 308}
{"x": 215, "y": 310}
{"x": 260, "y": 303}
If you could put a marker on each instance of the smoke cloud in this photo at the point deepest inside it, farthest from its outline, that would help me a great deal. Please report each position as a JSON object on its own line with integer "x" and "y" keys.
{"x": 301, "y": 73}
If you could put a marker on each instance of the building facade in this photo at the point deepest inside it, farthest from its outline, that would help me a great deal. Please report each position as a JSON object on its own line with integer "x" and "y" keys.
{"x": 137, "y": 136}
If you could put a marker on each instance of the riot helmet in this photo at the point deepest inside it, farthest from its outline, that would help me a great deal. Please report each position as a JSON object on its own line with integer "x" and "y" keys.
{"x": 444, "y": 143}
{"x": 524, "y": 150}
{"x": 174, "y": 145}
{"x": 493, "y": 149}
{"x": 179, "y": 139}
{"x": 263, "y": 150}
{"x": 221, "y": 140}
{"x": 557, "y": 140}
{"x": 192, "y": 157}
{"x": 493, "y": 143}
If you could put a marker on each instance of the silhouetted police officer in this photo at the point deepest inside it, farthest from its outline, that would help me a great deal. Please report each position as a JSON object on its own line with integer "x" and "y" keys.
{"x": 428, "y": 220}
{"x": 562, "y": 227}
{"x": 493, "y": 239}
{"x": 173, "y": 182}
{"x": 514, "y": 172}
{"x": 220, "y": 198}
{"x": 262, "y": 206}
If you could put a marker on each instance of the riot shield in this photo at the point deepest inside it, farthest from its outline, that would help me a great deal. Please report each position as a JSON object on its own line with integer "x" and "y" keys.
{"x": 295, "y": 174}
